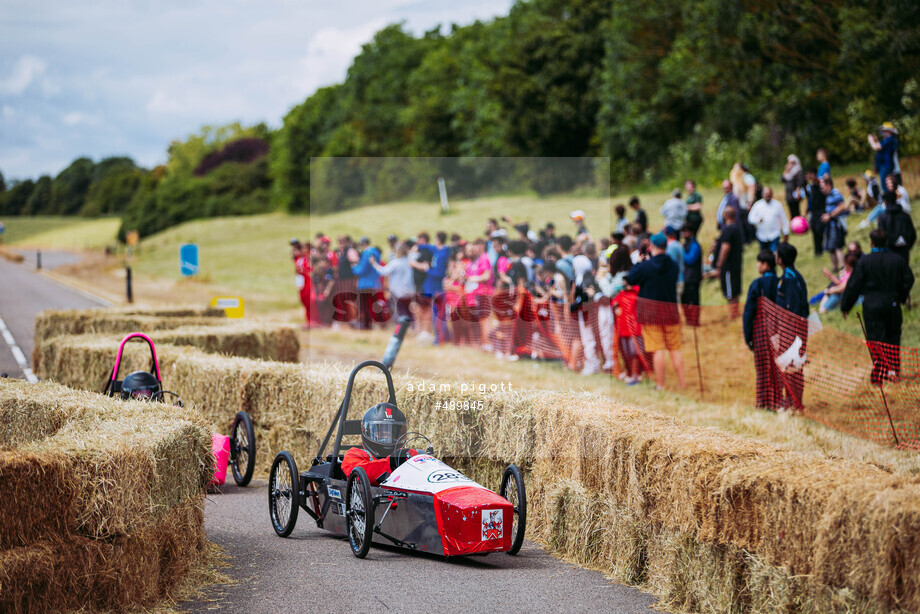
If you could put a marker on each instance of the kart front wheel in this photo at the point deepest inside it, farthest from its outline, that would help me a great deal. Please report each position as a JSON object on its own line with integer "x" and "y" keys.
{"x": 283, "y": 494}
{"x": 359, "y": 512}
{"x": 242, "y": 448}
{"x": 512, "y": 489}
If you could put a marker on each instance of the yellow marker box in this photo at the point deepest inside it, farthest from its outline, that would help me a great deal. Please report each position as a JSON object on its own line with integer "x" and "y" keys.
{"x": 233, "y": 306}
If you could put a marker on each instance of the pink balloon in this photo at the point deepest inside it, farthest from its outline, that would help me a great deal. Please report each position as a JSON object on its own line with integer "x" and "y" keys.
{"x": 799, "y": 225}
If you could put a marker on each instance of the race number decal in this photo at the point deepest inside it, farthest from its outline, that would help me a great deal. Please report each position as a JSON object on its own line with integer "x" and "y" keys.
{"x": 425, "y": 473}
{"x": 443, "y": 477}
{"x": 491, "y": 524}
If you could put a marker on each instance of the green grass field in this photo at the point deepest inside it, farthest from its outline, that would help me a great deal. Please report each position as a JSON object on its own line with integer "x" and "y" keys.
{"x": 59, "y": 232}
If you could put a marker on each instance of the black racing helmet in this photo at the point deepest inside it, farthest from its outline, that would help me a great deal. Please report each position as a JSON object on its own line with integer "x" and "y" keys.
{"x": 140, "y": 385}
{"x": 382, "y": 426}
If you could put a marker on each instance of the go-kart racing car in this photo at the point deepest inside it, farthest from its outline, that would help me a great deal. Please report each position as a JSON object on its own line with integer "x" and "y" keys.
{"x": 238, "y": 451}
{"x": 422, "y": 504}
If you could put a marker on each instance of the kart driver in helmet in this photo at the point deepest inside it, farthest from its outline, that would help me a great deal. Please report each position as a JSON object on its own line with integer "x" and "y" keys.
{"x": 140, "y": 385}
{"x": 381, "y": 428}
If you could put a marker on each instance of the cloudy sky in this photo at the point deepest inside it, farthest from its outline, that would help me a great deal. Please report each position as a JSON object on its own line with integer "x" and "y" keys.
{"x": 125, "y": 77}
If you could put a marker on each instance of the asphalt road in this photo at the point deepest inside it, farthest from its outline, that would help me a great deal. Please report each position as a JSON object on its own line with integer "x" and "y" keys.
{"x": 23, "y": 294}
{"x": 314, "y": 571}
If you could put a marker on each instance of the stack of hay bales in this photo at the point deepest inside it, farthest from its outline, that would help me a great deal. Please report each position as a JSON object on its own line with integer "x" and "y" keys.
{"x": 707, "y": 520}
{"x": 101, "y": 500}
{"x": 267, "y": 341}
{"x": 53, "y": 323}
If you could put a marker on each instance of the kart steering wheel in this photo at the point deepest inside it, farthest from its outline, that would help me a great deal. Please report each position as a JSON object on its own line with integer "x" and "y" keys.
{"x": 161, "y": 397}
{"x": 406, "y": 438}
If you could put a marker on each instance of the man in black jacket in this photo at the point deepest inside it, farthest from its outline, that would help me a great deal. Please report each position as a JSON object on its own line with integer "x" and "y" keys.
{"x": 769, "y": 386}
{"x": 657, "y": 309}
{"x": 792, "y": 295}
{"x": 815, "y": 200}
{"x": 884, "y": 280}
{"x": 898, "y": 227}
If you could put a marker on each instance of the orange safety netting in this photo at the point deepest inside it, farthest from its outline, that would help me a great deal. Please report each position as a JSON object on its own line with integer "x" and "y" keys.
{"x": 824, "y": 374}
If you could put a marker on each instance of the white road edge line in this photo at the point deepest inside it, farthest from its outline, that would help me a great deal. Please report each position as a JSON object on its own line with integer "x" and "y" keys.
{"x": 17, "y": 353}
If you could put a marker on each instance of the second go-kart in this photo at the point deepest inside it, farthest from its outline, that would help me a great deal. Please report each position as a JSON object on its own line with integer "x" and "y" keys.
{"x": 417, "y": 502}
{"x": 238, "y": 451}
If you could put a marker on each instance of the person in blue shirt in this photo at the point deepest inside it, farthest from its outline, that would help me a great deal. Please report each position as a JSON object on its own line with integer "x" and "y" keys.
{"x": 756, "y": 337}
{"x": 835, "y": 223}
{"x": 676, "y": 252}
{"x": 693, "y": 276}
{"x": 886, "y": 154}
{"x": 824, "y": 167}
{"x": 433, "y": 286}
{"x": 369, "y": 294}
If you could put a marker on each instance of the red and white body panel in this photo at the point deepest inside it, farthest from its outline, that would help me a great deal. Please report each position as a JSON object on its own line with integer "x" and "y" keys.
{"x": 471, "y": 518}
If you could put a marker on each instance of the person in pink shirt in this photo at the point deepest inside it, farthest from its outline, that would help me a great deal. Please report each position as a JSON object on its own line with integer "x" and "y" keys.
{"x": 478, "y": 285}
{"x": 834, "y": 292}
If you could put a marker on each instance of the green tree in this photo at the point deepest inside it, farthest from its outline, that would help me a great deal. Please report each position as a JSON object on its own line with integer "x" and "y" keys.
{"x": 69, "y": 188}
{"x": 305, "y": 133}
{"x": 375, "y": 92}
{"x": 39, "y": 202}
{"x": 14, "y": 200}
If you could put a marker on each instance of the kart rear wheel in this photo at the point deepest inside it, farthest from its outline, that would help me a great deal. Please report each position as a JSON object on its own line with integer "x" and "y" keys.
{"x": 512, "y": 489}
{"x": 283, "y": 494}
{"x": 242, "y": 448}
{"x": 359, "y": 512}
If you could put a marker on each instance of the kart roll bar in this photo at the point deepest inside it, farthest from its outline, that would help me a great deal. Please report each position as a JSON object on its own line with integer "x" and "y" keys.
{"x": 341, "y": 416}
{"x": 154, "y": 366}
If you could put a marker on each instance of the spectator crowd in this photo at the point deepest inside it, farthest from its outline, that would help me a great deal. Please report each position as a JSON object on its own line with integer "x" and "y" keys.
{"x": 599, "y": 300}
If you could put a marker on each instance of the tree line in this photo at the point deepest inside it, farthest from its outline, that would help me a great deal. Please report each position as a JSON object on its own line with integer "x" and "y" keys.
{"x": 663, "y": 88}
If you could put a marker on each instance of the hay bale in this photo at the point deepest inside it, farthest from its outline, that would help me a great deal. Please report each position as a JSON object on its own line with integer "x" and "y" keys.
{"x": 262, "y": 340}
{"x": 633, "y": 485}
{"x": 173, "y": 312}
{"x": 54, "y": 323}
{"x": 10, "y": 255}
{"x": 96, "y": 467}
{"x": 130, "y": 571}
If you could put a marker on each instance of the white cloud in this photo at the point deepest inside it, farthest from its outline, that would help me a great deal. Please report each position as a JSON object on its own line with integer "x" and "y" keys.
{"x": 330, "y": 53}
{"x": 26, "y": 70}
{"x": 75, "y": 118}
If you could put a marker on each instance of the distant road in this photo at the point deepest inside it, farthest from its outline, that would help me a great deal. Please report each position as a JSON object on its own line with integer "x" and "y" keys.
{"x": 23, "y": 294}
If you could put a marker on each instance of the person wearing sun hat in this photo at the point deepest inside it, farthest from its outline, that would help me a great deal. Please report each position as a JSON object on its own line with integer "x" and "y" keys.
{"x": 578, "y": 217}
{"x": 886, "y": 154}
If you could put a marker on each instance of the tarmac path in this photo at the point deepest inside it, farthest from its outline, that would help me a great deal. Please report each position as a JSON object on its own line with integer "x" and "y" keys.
{"x": 315, "y": 571}
{"x": 312, "y": 570}
{"x": 23, "y": 294}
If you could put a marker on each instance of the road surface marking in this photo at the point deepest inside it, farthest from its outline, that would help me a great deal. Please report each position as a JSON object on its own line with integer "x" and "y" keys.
{"x": 17, "y": 353}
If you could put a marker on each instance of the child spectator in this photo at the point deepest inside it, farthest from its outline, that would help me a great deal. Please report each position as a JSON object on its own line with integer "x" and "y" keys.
{"x": 834, "y": 292}
{"x": 625, "y": 305}
{"x": 622, "y": 222}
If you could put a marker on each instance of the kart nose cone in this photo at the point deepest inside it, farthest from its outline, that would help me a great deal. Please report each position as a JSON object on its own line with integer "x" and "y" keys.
{"x": 473, "y": 520}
